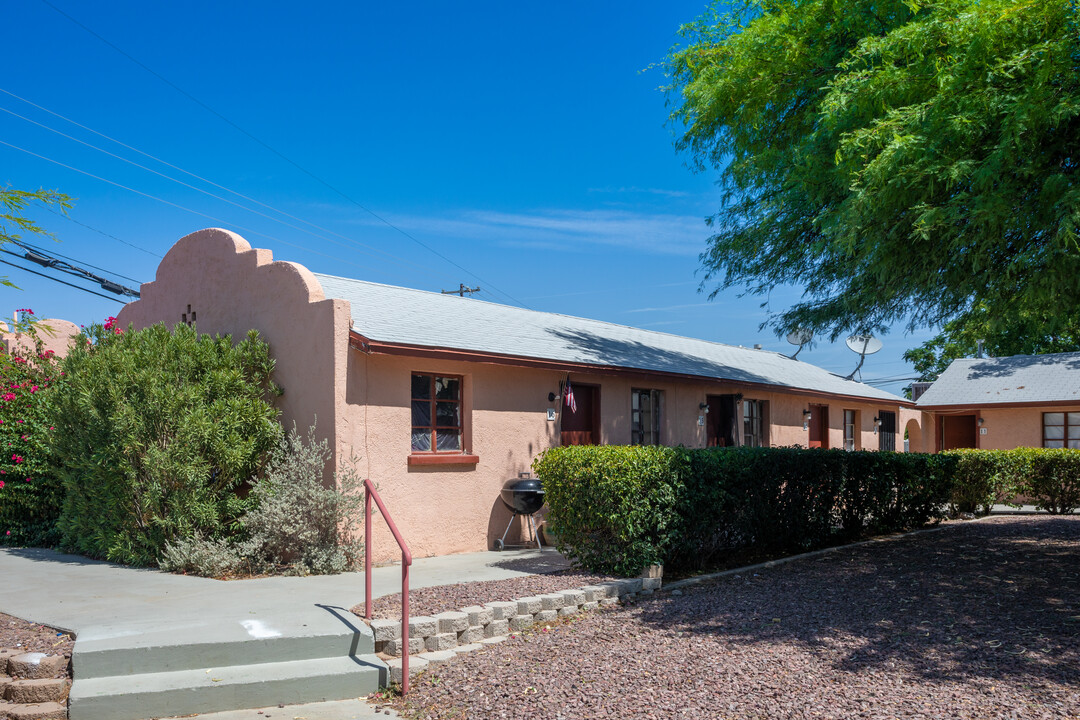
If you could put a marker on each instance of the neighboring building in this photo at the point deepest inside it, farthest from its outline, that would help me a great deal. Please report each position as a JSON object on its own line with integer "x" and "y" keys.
{"x": 56, "y": 335}
{"x": 1004, "y": 403}
{"x": 443, "y": 398}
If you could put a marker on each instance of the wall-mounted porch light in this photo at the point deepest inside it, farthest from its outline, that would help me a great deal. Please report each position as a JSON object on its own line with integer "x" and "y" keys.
{"x": 877, "y": 424}
{"x": 704, "y": 407}
{"x": 806, "y": 419}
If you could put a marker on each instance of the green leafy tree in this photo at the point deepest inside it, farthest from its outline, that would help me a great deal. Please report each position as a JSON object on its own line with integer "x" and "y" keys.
{"x": 894, "y": 158}
{"x": 1025, "y": 333}
{"x": 13, "y": 203}
{"x": 157, "y": 433}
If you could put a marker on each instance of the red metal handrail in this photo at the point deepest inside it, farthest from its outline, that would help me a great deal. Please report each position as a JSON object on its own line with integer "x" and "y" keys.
{"x": 406, "y": 561}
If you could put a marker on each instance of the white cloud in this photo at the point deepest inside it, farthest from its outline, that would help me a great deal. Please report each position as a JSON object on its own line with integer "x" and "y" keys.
{"x": 564, "y": 230}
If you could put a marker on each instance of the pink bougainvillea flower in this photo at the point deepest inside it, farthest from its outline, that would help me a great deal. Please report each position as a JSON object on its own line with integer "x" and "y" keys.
{"x": 27, "y": 479}
{"x": 9, "y": 533}
{"x": 9, "y": 396}
{"x": 1, "y": 484}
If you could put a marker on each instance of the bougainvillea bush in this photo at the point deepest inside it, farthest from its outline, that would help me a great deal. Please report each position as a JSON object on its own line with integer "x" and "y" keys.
{"x": 29, "y": 493}
{"x": 157, "y": 433}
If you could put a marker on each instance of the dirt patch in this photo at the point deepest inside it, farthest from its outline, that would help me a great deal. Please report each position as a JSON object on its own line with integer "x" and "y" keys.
{"x": 979, "y": 620}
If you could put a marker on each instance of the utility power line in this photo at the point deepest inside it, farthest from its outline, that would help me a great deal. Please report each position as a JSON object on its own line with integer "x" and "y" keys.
{"x": 46, "y": 260}
{"x": 63, "y": 282}
{"x": 284, "y": 157}
{"x": 394, "y": 258}
{"x": 188, "y": 173}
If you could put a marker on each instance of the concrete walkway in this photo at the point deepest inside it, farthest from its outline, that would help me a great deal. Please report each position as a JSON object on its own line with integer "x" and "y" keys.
{"x": 98, "y": 600}
{"x": 127, "y": 620}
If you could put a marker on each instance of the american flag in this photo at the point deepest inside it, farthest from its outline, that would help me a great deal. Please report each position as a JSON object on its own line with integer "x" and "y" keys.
{"x": 568, "y": 397}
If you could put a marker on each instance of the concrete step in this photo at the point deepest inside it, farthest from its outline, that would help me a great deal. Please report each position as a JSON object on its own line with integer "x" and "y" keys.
{"x": 158, "y": 652}
{"x": 212, "y": 689}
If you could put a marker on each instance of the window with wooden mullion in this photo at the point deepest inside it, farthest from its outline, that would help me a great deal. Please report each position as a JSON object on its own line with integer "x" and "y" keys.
{"x": 436, "y": 414}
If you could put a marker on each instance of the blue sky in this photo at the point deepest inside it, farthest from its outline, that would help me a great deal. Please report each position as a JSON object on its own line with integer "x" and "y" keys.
{"x": 521, "y": 147}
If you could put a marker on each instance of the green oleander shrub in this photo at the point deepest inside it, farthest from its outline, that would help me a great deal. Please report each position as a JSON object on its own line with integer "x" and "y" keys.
{"x": 157, "y": 434}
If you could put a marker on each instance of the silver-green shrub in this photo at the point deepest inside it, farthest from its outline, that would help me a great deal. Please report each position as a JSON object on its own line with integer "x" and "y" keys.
{"x": 298, "y": 526}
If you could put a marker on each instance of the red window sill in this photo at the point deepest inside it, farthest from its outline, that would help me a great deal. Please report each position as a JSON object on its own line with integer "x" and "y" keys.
{"x": 442, "y": 459}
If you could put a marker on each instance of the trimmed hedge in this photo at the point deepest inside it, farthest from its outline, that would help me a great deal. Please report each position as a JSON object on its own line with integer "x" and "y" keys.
{"x": 617, "y": 509}
{"x": 616, "y": 505}
{"x": 1049, "y": 478}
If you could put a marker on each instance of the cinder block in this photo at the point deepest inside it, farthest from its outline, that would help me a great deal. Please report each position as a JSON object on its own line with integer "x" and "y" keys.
{"x": 37, "y": 711}
{"x": 633, "y": 585}
{"x": 573, "y": 597}
{"x": 529, "y": 605}
{"x": 6, "y": 653}
{"x": 423, "y": 626}
{"x": 502, "y": 610}
{"x": 437, "y": 657}
{"x": 33, "y": 666}
{"x": 468, "y": 648}
{"x": 440, "y": 642}
{"x": 651, "y": 583}
{"x": 646, "y": 591}
{"x": 493, "y": 640}
{"x": 552, "y": 601}
{"x": 452, "y": 621}
{"x": 479, "y": 616}
{"x": 416, "y": 664}
{"x": 42, "y": 690}
{"x": 595, "y": 592}
{"x": 608, "y": 602}
{"x": 521, "y": 622}
{"x": 546, "y": 615}
{"x": 393, "y": 647}
{"x": 470, "y": 635}
{"x": 495, "y": 628}
{"x": 568, "y": 610}
{"x": 590, "y": 606}
{"x": 386, "y": 629}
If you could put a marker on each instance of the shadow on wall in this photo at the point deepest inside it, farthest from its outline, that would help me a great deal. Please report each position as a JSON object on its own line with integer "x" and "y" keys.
{"x": 985, "y": 600}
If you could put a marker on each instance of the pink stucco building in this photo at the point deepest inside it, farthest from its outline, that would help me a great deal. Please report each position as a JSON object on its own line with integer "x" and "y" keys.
{"x": 1004, "y": 403}
{"x": 441, "y": 399}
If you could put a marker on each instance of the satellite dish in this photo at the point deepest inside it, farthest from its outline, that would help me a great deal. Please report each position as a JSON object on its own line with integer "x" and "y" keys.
{"x": 863, "y": 345}
{"x": 799, "y": 337}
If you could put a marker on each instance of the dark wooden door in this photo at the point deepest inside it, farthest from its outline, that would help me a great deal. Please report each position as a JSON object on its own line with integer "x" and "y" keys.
{"x": 887, "y": 430}
{"x": 721, "y": 421}
{"x": 583, "y": 426}
{"x": 819, "y": 426}
{"x": 957, "y": 431}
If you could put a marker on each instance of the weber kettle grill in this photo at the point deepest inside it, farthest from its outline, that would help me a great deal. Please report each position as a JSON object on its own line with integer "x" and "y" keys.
{"x": 524, "y": 495}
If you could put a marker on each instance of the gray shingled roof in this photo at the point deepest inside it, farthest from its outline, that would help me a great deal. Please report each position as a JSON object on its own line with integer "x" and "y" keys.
{"x": 416, "y": 317}
{"x": 1020, "y": 378}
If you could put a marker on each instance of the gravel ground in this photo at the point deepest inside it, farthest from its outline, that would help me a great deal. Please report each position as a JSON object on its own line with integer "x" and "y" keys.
{"x": 429, "y": 601}
{"x": 979, "y": 620}
{"x": 31, "y": 637}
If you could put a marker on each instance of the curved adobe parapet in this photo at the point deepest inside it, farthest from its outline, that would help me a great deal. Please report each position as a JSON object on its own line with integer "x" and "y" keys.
{"x": 215, "y": 280}
{"x": 211, "y": 256}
